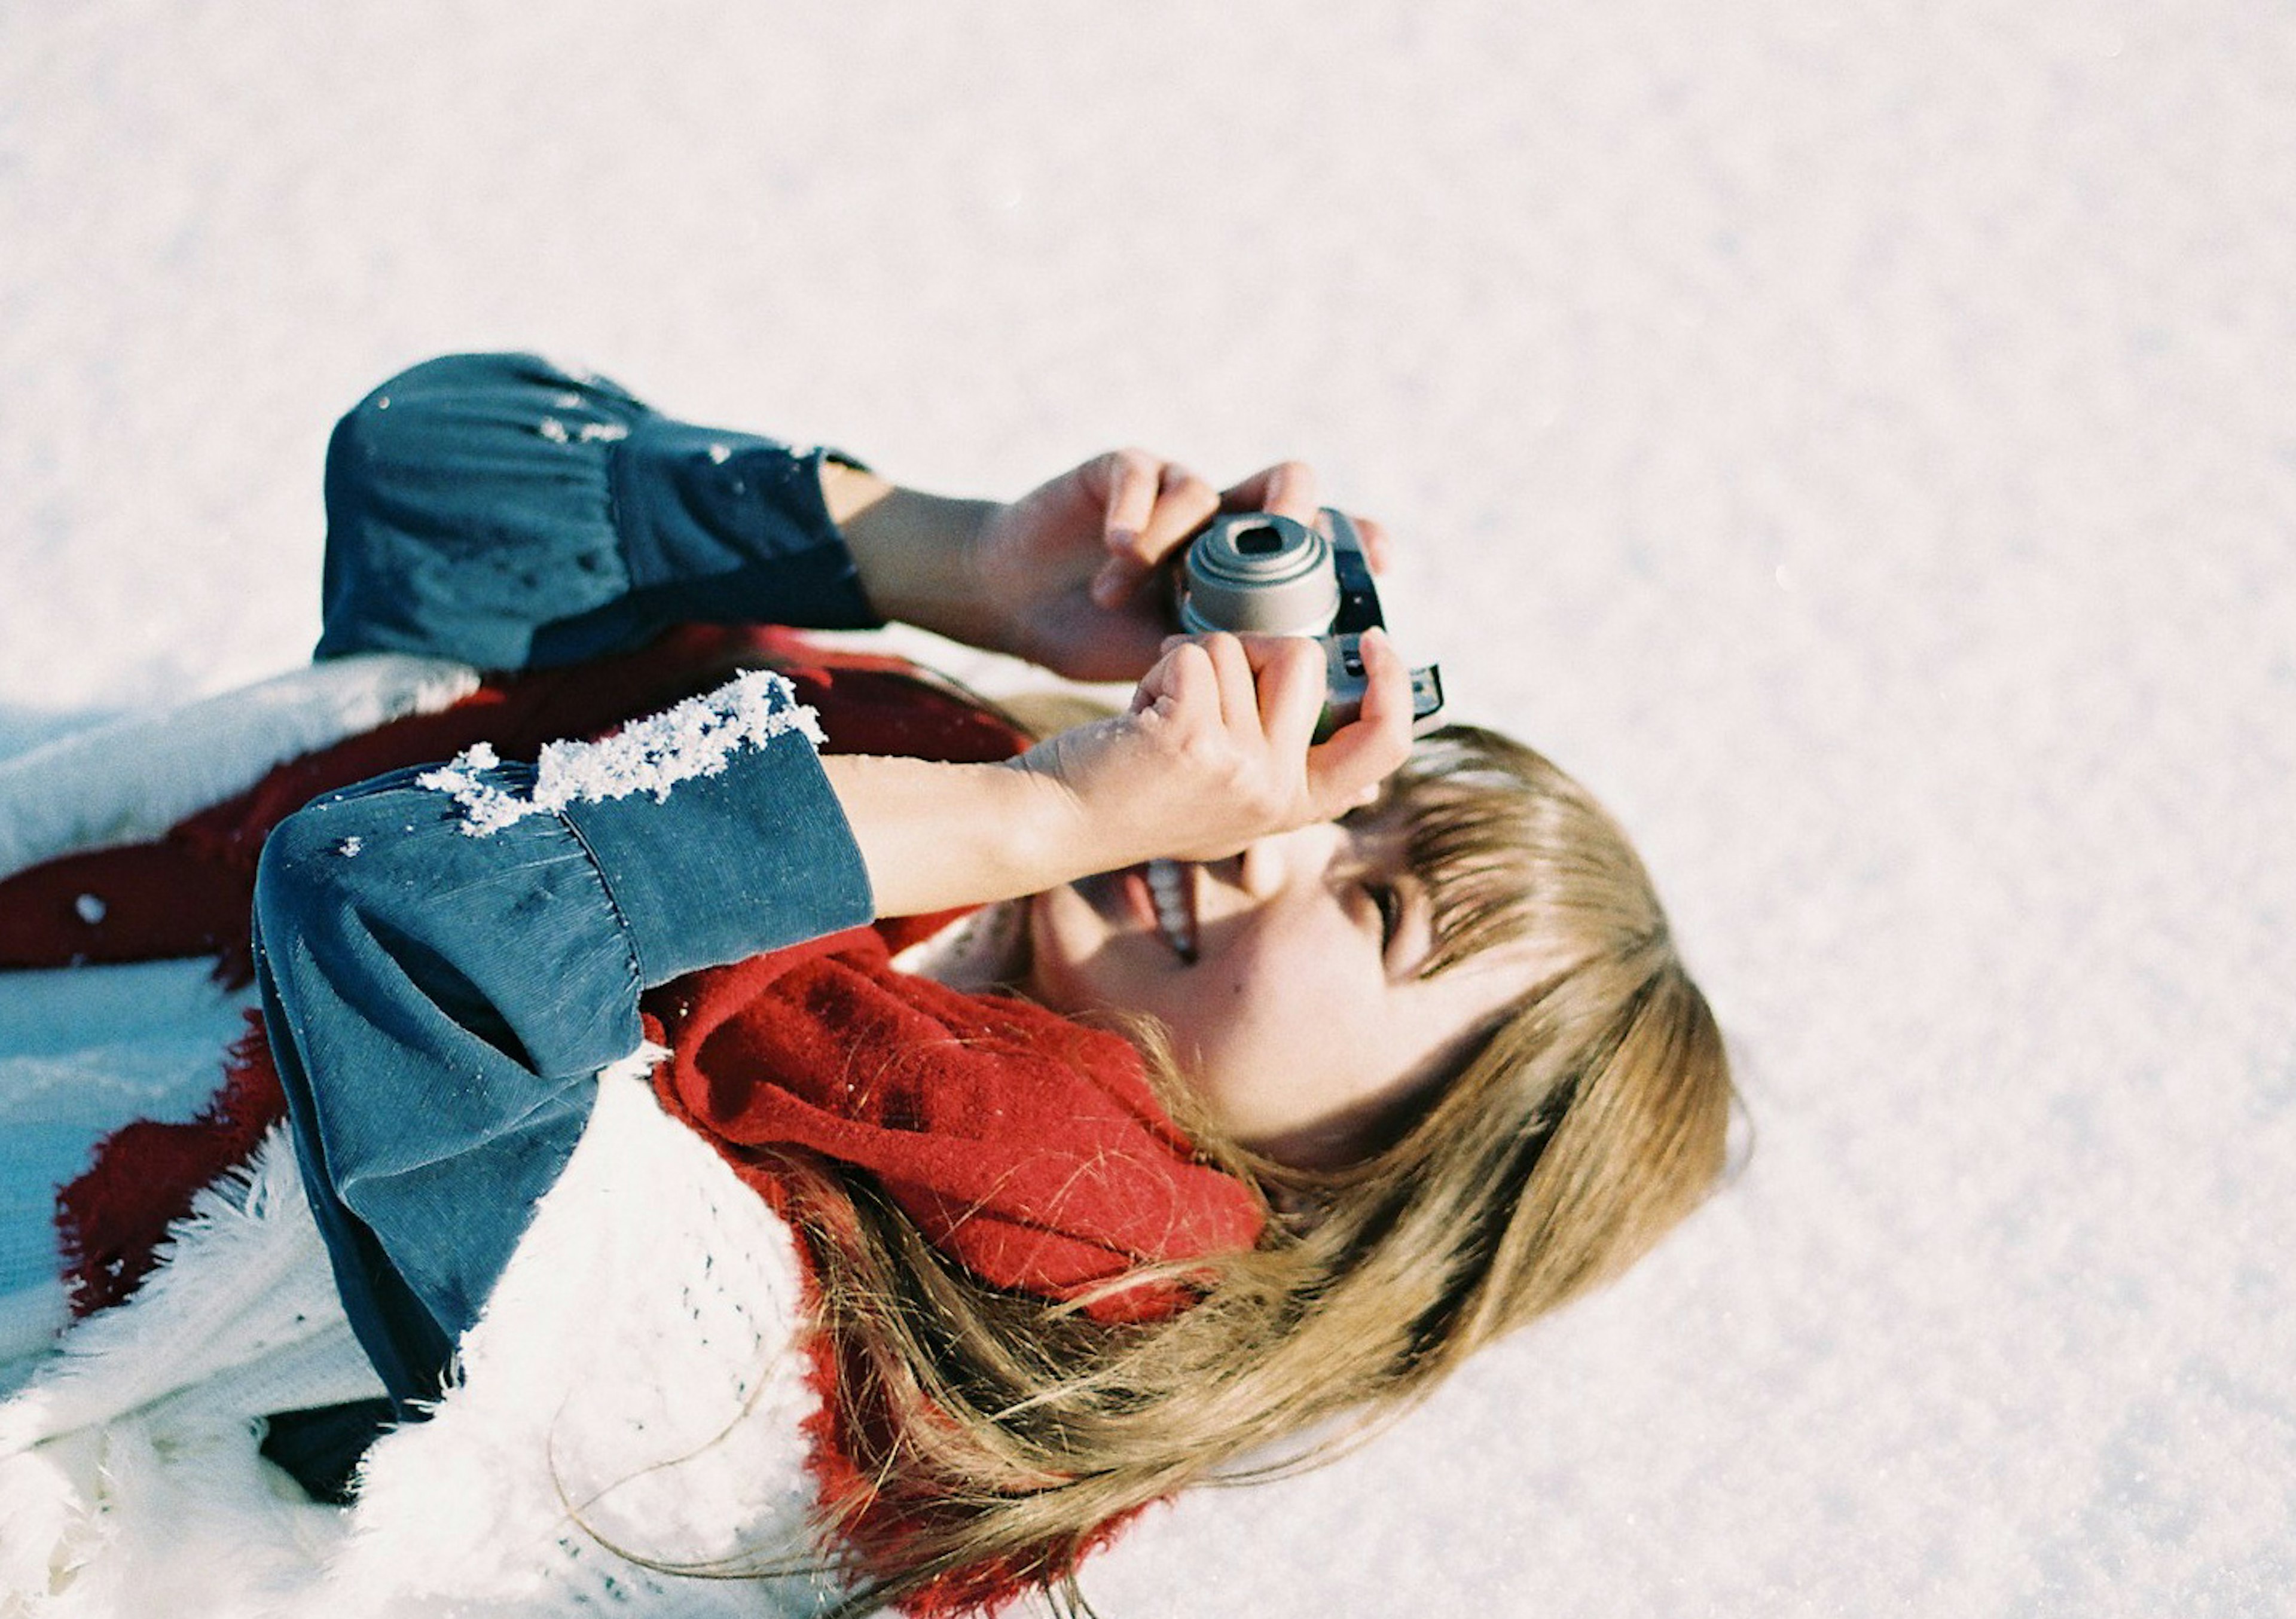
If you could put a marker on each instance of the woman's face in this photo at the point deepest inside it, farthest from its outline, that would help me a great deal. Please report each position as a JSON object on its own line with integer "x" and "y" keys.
{"x": 1287, "y": 978}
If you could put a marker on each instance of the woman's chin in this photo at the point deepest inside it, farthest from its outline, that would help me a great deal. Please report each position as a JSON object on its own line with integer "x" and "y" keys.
{"x": 1049, "y": 976}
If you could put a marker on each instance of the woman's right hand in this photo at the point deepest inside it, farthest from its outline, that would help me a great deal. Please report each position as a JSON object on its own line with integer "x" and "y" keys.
{"x": 1217, "y": 750}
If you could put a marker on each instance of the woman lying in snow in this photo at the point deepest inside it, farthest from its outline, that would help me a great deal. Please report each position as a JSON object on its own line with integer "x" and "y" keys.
{"x": 1435, "y": 1065}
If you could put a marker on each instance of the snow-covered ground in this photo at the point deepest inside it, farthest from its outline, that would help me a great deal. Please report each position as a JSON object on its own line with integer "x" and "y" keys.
{"x": 1857, "y": 438}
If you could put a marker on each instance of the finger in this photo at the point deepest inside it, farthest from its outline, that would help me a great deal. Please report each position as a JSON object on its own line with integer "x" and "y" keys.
{"x": 1239, "y": 692}
{"x": 1151, "y": 687}
{"x": 1287, "y": 488}
{"x": 1181, "y": 681}
{"x": 1133, "y": 478}
{"x": 1364, "y": 753}
{"x": 1293, "y": 681}
{"x": 1184, "y": 503}
{"x": 1379, "y": 548}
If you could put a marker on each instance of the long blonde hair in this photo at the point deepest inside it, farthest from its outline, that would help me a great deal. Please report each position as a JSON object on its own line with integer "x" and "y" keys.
{"x": 1008, "y": 1433}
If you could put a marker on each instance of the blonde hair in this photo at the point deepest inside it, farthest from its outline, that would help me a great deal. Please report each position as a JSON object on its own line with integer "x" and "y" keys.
{"x": 1008, "y": 1434}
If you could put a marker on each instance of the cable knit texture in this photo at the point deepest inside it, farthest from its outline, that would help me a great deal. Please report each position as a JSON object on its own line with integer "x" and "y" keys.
{"x": 636, "y": 1393}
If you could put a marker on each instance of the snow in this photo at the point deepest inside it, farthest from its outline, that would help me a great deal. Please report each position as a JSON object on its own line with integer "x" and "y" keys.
{"x": 698, "y": 737}
{"x": 1857, "y": 438}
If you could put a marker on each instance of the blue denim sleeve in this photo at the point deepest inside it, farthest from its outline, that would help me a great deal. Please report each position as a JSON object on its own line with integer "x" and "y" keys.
{"x": 496, "y": 509}
{"x": 438, "y": 1003}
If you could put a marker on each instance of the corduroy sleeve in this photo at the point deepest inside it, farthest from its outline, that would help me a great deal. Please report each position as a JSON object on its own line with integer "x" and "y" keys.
{"x": 502, "y": 510}
{"x": 447, "y": 957}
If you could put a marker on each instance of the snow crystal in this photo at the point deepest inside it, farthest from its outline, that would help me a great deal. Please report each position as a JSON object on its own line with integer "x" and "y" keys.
{"x": 719, "y": 452}
{"x": 602, "y": 432}
{"x": 383, "y": 401}
{"x": 567, "y": 401}
{"x": 697, "y": 738}
{"x": 553, "y": 429}
{"x": 350, "y": 848}
{"x": 90, "y": 908}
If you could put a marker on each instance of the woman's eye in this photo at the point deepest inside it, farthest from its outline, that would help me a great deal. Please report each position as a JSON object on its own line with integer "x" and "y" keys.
{"x": 1389, "y": 901}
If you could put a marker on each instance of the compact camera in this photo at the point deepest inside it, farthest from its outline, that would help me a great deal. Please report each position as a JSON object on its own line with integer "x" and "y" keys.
{"x": 1253, "y": 573}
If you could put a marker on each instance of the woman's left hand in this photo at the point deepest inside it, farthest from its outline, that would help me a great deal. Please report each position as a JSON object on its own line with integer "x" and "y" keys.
{"x": 1072, "y": 571}
{"x": 1069, "y": 575}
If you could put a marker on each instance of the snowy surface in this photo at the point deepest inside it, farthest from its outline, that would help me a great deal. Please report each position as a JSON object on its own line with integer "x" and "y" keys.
{"x": 1858, "y": 438}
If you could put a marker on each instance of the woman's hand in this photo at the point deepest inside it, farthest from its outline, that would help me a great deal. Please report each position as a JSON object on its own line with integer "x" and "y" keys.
{"x": 1069, "y": 575}
{"x": 1075, "y": 566}
{"x": 1217, "y": 750}
{"x": 1066, "y": 568}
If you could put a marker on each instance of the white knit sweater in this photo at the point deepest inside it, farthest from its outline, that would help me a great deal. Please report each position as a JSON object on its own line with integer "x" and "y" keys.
{"x": 634, "y": 1393}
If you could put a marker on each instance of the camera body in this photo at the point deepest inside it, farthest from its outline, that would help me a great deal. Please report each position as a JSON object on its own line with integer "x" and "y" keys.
{"x": 1253, "y": 573}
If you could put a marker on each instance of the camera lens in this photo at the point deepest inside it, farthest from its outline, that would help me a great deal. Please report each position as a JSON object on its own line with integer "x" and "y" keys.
{"x": 1259, "y": 574}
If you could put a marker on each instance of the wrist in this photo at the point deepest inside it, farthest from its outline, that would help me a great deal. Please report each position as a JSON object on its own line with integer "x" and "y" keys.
{"x": 912, "y": 552}
{"x": 933, "y": 837}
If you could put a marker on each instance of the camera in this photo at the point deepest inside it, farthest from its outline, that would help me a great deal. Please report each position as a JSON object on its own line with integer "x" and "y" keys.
{"x": 1253, "y": 573}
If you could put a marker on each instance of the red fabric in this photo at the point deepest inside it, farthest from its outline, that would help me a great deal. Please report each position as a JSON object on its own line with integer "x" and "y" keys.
{"x": 145, "y": 1174}
{"x": 1027, "y": 1147}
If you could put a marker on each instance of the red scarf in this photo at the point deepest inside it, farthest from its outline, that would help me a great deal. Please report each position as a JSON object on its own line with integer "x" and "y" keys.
{"x": 1026, "y": 1147}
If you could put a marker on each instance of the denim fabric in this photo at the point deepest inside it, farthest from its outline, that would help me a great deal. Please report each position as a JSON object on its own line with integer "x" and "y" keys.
{"x": 496, "y": 508}
{"x": 439, "y": 1003}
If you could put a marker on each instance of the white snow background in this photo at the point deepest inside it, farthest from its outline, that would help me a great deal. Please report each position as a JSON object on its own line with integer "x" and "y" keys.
{"x": 1857, "y": 438}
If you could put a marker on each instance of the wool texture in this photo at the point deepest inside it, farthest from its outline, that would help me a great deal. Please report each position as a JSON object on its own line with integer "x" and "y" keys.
{"x": 632, "y": 1416}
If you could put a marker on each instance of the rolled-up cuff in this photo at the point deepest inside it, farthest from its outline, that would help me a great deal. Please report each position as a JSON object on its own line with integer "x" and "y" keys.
{"x": 729, "y": 527}
{"x": 751, "y": 855}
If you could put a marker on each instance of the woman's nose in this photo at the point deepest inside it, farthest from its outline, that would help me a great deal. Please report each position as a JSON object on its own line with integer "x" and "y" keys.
{"x": 1268, "y": 862}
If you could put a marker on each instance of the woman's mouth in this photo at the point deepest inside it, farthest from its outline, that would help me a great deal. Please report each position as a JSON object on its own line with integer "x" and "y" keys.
{"x": 1172, "y": 892}
{"x": 1159, "y": 899}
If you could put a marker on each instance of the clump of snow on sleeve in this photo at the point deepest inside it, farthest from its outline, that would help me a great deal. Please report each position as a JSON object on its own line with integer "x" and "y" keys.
{"x": 697, "y": 738}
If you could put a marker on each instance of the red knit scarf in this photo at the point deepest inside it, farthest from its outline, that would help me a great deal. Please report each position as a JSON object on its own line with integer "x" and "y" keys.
{"x": 1027, "y": 1148}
